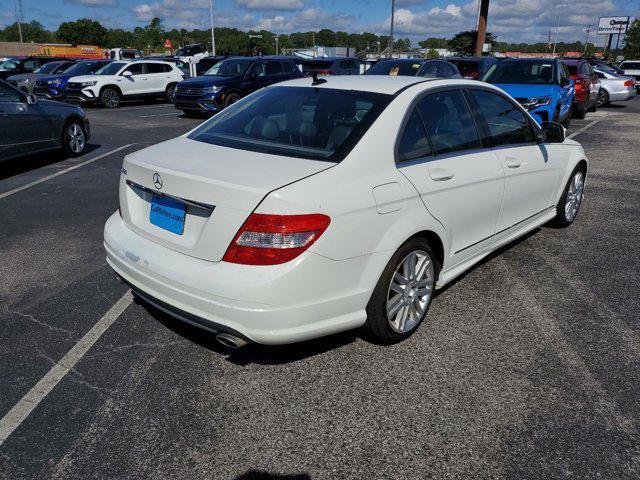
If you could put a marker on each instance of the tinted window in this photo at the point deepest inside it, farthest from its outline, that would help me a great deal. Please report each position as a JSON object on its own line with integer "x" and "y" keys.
{"x": 467, "y": 68}
{"x": 30, "y": 64}
{"x": 155, "y": 68}
{"x": 394, "y": 68}
{"x": 506, "y": 123}
{"x": 258, "y": 69}
{"x": 449, "y": 122}
{"x": 229, "y": 68}
{"x": 315, "y": 123}
{"x": 274, "y": 68}
{"x": 8, "y": 94}
{"x": 573, "y": 69}
{"x": 630, "y": 65}
{"x": 524, "y": 72}
{"x": 445, "y": 71}
{"x": 414, "y": 142}
{"x": 315, "y": 65}
{"x": 289, "y": 67}
{"x": 50, "y": 67}
{"x": 136, "y": 68}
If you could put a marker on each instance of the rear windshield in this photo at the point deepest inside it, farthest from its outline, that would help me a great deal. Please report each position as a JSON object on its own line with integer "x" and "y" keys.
{"x": 527, "y": 72}
{"x": 631, "y": 65}
{"x": 305, "y": 122}
{"x": 467, "y": 68}
{"x": 392, "y": 68}
{"x": 573, "y": 69}
{"x": 310, "y": 65}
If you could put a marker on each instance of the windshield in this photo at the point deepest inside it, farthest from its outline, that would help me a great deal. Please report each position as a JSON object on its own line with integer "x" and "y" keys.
{"x": 536, "y": 72}
{"x": 390, "y": 67}
{"x": 49, "y": 67}
{"x": 84, "y": 68}
{"x": 630, "y": 65}
{"x": 229, "y": 68}
{"x": 111, "y": 68}
{"x": 10, "y": 64}
{"x": 306, "y": 122}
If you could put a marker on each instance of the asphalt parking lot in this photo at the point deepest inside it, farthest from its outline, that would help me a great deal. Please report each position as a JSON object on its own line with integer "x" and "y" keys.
{"x": 527, "y": 367}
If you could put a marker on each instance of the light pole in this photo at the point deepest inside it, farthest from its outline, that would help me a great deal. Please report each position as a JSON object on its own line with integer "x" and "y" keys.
{"x": 213, "y": 35}
{"x": 393, "y": 11}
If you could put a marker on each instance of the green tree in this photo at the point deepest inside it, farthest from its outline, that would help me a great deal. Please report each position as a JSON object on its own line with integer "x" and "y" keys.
{"x": 402, "y": 44}
{"x": 433, "y": 42}
{"x": 119, "y": 38}
{"x": 433, "y": 53}
{"x": 464, "y": 43}
{"x": 83, "y": 31}
{"x": 632, "y": 41}
{"x": 31, "y": 32}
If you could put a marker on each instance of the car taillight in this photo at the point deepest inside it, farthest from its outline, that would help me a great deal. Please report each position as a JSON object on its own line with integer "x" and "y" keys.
{"x": 472, "y": 75}
{"x": 628, "y": 83}
{"x": 275, "y": 239}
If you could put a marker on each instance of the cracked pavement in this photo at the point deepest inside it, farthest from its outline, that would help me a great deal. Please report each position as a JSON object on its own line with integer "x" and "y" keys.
{"x": 528, "y": 366}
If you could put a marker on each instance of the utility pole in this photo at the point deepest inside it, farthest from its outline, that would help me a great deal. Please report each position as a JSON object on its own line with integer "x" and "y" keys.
{"x": 586, "y": 39}
{"x": 19, "y": 17}
{"x": 213, "y": 35}
{"x": 393, "y": 11}
{"x": 313, "y": 38}
{"x": 482, "y": 26}
{"x": 555, "y": 42}
{"x": 277, "y": 43}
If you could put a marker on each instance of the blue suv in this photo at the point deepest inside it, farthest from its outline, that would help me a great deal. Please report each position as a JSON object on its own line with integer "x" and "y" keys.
{"x": 55, "y": 86}
{"x": 541, "y": 85}
{"x": 229, "y": 80}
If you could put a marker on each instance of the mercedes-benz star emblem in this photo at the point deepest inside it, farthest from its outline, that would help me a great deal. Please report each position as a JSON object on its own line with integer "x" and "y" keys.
{"x": 157, "y": 180}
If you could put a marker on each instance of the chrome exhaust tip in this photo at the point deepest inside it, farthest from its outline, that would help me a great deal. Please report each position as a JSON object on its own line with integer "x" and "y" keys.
{"x": 230, "y": 341}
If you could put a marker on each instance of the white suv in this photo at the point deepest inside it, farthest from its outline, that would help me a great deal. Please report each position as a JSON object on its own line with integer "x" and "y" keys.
{"x": 122, "y": 79}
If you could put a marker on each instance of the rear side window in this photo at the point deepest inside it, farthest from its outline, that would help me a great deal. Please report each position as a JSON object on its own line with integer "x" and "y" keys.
{"x": 136, "y": 68}
{"x": 30, "y": 64}
{"x": 414, "y": 142}
{"x": 468, "y": 68}
{"x": 306, "y": 122}
{"x": 506, "y": 123}
{"x": 449, "y": 122}
{"x": 155, "y": 68}
{"x": 274, "y": 68}
{"x": 289, "y": 67}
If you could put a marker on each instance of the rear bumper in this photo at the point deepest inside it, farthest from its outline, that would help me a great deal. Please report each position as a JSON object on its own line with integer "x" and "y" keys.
{"x": 622, "y": 95}
{"x": 309, "y": 297}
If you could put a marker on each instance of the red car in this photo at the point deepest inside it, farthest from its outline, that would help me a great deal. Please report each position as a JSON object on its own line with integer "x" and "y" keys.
{"x": 586, "y": 84}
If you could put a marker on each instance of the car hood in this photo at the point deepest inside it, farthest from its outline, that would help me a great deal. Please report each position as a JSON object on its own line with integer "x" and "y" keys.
{"x": 518, "y": 90}
{"x": 25, "y": 76}
{"x": 209, "y": 81}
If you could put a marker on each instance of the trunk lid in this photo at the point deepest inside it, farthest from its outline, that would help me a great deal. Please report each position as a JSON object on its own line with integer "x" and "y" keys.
{"x": 219, "y": 186}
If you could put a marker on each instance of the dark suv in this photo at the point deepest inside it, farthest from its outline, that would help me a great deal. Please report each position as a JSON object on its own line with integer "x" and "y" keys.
{"x": 18, "y": 65}
{"x": 473, "y": 67}
{"x": 230, "y": 80}
{"x": 415, "y": 67}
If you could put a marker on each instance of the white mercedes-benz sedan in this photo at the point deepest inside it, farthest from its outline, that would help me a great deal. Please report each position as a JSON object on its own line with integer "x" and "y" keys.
{"x": 310, "y": 208}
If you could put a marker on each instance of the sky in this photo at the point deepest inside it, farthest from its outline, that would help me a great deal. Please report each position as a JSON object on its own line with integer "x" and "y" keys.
{"x": 510, "y": 20}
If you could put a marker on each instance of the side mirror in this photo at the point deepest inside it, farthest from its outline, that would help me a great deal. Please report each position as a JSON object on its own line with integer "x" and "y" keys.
{"x": 32, "y": 99}
{"x": 564, "y": 82}
{"x": 127, "y": 73}
{"x": 553, "y": 132}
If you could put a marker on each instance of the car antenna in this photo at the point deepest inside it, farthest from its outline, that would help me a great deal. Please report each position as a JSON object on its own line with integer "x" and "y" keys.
{"x": 316, "y": 80}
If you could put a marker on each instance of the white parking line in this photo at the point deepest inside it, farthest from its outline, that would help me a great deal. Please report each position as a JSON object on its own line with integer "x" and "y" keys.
{"x": 588, "y": 125}
{"x": 159, "y": 115}
{"x": 30, "y": 401}
{"x": 62, "y": 172}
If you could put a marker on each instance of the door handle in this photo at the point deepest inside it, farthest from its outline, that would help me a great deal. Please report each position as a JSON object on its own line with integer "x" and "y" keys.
{"x": 440, "y": 175}
{"x": 513, "y": 163}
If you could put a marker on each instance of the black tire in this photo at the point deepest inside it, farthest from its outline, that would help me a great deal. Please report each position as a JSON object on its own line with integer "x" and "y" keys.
{"x": 593, "y": 107}
{"x": 231, "y": 99}
{"x": 562, "y": 219}
{"x": 110, "y": 98}
{"x": 378, "y": 325}
{"x": 580, "y": 112}
{"x": 169, "y": 92}
{"x": 603, "y": 98}
{"x": 74, "y": 138}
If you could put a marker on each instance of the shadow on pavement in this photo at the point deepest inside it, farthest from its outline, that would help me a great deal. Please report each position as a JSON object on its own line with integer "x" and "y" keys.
{"x": 259, "y": 475}
{"x": 16, "y": 166}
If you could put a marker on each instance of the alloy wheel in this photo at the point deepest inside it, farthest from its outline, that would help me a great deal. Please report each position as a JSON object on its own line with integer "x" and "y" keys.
{"x": 410, "y": 291}
{"x": 110, "y": 98}
{"x": 574, "y": 196}
{"x": 76, "y": 138}
{"x": 602, "y": 98}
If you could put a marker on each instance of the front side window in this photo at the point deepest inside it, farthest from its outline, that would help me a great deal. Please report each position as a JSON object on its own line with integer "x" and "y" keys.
{"x": 449, "y": 123}
{"x": 274, "y": 68}
{"x": 521, "y": 72}
{"x": 289, "y": 67}
{"x": 414, "y": 142}
{"x": 258, "y": 69}
{"x": 506, "y": 123}
{"x": 136, "y": 68}
{"x": 8, "y": 94}
{"x": 51, "y": 67}
{"x": 630, "y": 65}
{"x": 306, "y": 122}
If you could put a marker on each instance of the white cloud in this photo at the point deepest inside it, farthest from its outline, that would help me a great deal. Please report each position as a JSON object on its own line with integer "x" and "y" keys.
{"x": 94, "y": 3}
{"x": 271, "y": 4}
{"x": 170, "y": 10}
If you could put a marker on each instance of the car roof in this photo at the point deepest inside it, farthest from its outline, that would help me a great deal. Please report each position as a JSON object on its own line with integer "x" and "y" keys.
{"x": 385, "y": 84}
{"x": 540, "y": 59}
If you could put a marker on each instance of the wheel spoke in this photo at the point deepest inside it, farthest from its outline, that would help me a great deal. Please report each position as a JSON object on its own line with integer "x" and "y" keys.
{"x": 399, "y": 279}
{"x": 408, "y": 266}
{"x": 394, "y": 287}
{"x": 394, "y": 305}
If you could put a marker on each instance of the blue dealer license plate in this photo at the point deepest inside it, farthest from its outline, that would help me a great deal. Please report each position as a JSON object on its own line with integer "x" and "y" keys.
{"x": 168, "y": 214}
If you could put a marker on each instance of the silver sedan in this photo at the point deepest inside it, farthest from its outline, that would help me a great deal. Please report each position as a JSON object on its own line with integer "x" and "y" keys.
{"x": 614, "y": 87}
